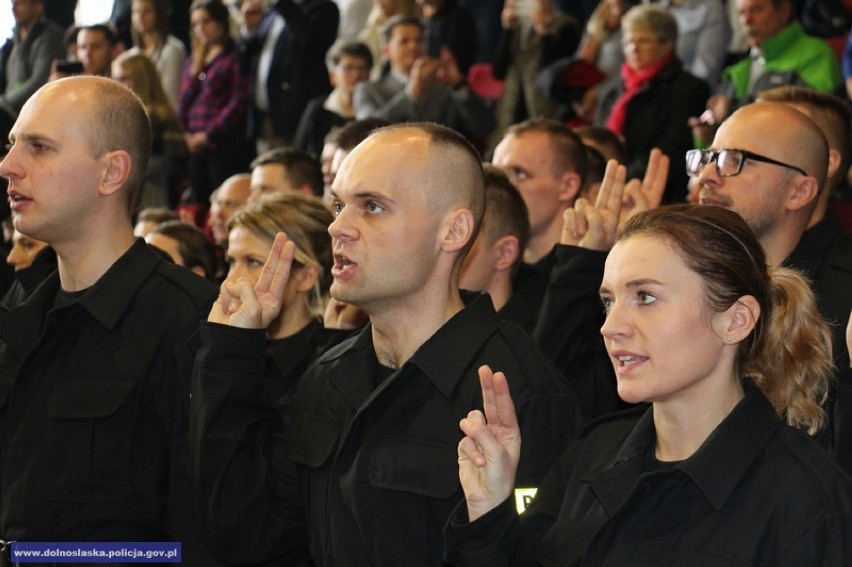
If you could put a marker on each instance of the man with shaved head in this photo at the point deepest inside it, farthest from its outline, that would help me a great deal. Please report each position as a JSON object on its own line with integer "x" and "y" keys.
{"x": 769, "y": 162}
{"x": 372, "y": 431}
{"x": 95, "y": 364}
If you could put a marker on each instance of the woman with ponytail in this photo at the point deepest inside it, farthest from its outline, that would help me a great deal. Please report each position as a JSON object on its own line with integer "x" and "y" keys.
{"x": 734, "y": 360}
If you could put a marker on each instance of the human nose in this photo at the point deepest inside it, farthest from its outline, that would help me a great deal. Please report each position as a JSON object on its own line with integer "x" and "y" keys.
{"x": 15, "y": 258}
{"x": 616, "y": 325}
{"x": 8, "y": 167}
{"x": 341, "y": 227}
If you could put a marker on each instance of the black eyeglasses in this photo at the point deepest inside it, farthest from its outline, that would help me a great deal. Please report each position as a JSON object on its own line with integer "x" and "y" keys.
{"x": 729, "y": 162}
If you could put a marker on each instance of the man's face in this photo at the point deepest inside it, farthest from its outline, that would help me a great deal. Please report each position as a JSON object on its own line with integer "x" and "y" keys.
{"x": 53, "y": 178}
{"x": 404, "y": 48}
{"x": 269, "y": 178}
{"x": 385, "y": 237}
{"x": 529, "y": 161}
{"x": 761, "y": 19}
{"x": 759, "y": 192}
{"x": 95, "y": 52}
{"x": 26, "y": 12}
{"x": 348, "y": 72}
{"x": 232, "y": 195}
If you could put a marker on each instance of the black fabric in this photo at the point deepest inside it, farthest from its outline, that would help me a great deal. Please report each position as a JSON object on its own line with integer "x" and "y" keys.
{"x": 94, "y": 400}
{"x": 755, "y": 493}
{"x": 376, "y": 466}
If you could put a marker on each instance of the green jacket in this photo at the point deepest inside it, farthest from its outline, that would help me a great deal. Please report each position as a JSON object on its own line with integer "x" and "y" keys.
{"x": 792, "y": 57}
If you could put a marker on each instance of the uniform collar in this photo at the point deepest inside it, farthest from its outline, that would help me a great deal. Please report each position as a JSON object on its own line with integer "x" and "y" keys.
{"x": 716, "y": 468}
{"x": 774, "y": 46}
{"x": 440, "y": 358}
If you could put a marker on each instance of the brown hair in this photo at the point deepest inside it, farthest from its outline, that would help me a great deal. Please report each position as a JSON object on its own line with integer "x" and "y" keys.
{"x": 569, "y": 152}
{"x": 788, "y": 354}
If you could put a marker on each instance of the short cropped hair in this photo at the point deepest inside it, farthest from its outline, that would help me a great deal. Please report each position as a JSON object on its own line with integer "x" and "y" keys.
{"x": 107, "y": 30}
{"x": 300, "y": 167}
{"x": 505, "y": 211}
{"x": 568, "y": 149}
{"x": 194, "y": 246}
{"x": 354, "y": 49}
{"x": 401, "y": 20}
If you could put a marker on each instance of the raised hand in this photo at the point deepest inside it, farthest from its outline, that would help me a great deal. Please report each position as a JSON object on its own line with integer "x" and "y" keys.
{"x": 594, "y": 227}
{"x": 646, "y": 194}
{"x": 490, "y": 451}
{"x": 241, "y": 305}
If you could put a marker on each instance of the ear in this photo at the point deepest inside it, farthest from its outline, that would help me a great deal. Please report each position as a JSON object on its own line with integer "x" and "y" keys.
{"x": 117, "y": 168}
{"x": 804, "y": 191}
{"x": 332, "y": 78}
{"x": 459, "y": 230}
{"x": 569, "y": 187}
{"x": 507, "y": 250}
{"x": 305, "y": 278}
{"x": 834, "y": 161}
{"x": 736, "y": 323}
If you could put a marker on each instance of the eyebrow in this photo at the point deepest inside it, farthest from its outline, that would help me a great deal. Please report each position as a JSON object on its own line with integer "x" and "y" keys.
{"x": 635, "y": 283}
{"x": 365, "y": 195}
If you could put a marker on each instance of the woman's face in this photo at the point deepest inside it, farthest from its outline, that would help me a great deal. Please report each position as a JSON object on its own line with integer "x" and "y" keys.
{"x": 24, "y": 250}
{"x": 143, "y": 16}
{"x": 247, "y": 254}
{"x": 663, "y": 341}
{"x": 642, "y": 48}
{"x": 205, "y": 30}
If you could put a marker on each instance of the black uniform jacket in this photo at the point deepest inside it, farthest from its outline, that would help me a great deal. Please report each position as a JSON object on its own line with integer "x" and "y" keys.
{"x": 94, "y": 400}
{"x": 376, "y": 463}
{"x": 757, "y": 492}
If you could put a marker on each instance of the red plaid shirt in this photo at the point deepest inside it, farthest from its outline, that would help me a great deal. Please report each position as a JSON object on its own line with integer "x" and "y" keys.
{"x": 214, "y": 101}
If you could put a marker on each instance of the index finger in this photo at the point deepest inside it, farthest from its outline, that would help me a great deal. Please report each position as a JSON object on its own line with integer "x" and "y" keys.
{"x": 276, "y": 271}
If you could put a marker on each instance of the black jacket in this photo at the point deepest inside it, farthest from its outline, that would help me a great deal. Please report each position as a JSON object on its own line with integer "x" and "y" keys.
{"x": 757, "y": 492}
{"x": 376, "y": 458}
{"x": 94, "y": 401}
{"x": 297, "y": 72}
{"x": 657, "y": 118}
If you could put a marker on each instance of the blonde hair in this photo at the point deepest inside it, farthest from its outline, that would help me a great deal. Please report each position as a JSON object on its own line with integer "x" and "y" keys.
{"x": 305, "y": 221}
{"x": 146, "y": 84}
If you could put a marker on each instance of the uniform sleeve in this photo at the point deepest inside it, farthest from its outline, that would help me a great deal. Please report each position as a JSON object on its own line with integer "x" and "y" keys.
{"x": 568, "y": 328}
{"x": 246, "y": 492}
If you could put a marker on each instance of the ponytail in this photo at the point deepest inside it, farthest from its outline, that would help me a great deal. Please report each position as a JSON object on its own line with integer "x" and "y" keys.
{"x": 791, "y": 360}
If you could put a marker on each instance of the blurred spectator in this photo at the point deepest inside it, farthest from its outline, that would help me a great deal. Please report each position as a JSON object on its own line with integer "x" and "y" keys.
{"x": 26, "y": 57}
{"x": 352, "y": 63}
{"x": 372, "y": 34}
{"x": 704, "y": 33}
{"x": 149, "y": 218}
{"x": 285, "y": 170}
{"x": 137, "y": 72}
{"x": 212, "y": 103}
{"x": 150, "y": 32}
{"x": 285, "y": 54}
{"x": 448, "y": 25}
{"x": 97, "y": 46}
{"x": 187, "y": 246}
{"x": 224, "y": 202}
{"x": 419, "y": 88}
{"x": 24, "y": 251}
{"x": 529, "y": 41}
{"x": 650, "y": 104}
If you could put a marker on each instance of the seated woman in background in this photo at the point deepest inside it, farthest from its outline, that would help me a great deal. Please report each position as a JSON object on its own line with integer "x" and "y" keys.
{"x": 150, "y": 32}
{"x": 650, "y": 104}
{"x": 297, "y": 336}
{"x": 137, "y": 72}
{"x": 735, "y": 361}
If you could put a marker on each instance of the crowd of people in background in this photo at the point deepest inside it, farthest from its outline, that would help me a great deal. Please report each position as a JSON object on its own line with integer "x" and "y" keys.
{"x": 466, "y": 252}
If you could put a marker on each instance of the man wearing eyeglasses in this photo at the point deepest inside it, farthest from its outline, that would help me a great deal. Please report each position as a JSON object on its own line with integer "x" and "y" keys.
{"x": 769, "y": 163}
